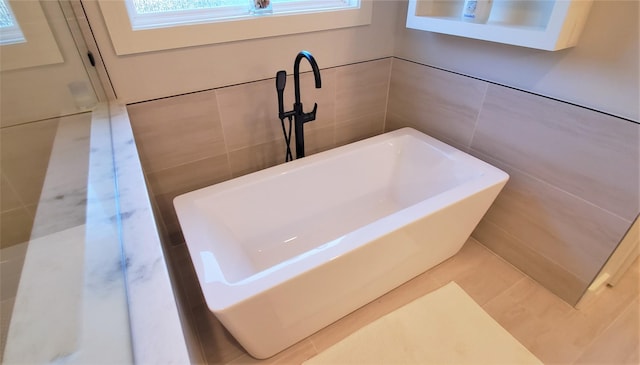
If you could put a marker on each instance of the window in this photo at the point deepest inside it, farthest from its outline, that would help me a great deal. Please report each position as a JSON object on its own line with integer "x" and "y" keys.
{"x": 150, "y": 25}
{"x": 10, "y": 32}
{"x": 147, "y": 14}
{"x": 26, "y": 38}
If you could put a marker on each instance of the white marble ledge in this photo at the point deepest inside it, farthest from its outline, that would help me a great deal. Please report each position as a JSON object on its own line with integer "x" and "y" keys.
{"x": 156, "y": 330}
{"x": 95, "y": 286}
{"x": 71, "y": 305}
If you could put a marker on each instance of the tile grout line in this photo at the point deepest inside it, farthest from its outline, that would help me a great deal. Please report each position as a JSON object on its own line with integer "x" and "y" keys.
{"x": 548, "y": 184}
{"x": 224, "y": 135}
{"x": 477, "y": 119}
{"x": 546, "y": 257}
{"x": 517, "y": 282}
{"x": 386, "y": 104}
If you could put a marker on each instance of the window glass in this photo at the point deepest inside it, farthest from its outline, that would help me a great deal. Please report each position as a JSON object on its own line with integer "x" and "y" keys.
{"x": 159, "y": 6}
{"x": 191, "y": 24}
{"x": 148, "y": 14}
{"x": 10, "y": 32}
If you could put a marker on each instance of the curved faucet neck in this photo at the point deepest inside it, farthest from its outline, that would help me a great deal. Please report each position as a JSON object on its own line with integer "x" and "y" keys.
{"x": 296, "y": 72}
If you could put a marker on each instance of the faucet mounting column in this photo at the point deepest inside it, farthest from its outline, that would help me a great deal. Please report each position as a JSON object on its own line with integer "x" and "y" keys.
{"x": 298, "y": 114}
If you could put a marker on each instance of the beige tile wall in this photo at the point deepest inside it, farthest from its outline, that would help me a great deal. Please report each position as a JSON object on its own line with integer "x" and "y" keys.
{"x": 574, "y": 173}
{"x": 24, "y": 157}
{"x": 190, "y": 141}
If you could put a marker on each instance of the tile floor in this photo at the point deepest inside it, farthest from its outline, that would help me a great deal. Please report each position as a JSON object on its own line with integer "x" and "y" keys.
{"x": 605, "y": 330}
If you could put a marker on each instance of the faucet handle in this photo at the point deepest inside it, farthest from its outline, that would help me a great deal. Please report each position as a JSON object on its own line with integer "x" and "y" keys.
{"x": 311, "y": 116}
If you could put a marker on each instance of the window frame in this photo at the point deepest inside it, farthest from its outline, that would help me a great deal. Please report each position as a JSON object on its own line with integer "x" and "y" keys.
{"x": 127, "y": 40}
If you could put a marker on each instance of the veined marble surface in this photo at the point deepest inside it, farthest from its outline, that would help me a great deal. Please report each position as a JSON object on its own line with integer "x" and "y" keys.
{"x": 71, "y": 302}
{"x": 77, "y": 303}
{"x": 156, "y": 329}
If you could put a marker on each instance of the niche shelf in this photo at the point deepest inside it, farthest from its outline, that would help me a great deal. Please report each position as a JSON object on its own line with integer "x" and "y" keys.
{"x": 542, "y": 24}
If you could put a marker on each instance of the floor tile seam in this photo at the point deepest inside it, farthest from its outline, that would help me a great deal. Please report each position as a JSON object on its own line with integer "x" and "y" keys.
{"x": 505, "y": 261}
{"x": 313, "y": 345}
{"x": 527, "y": 344}
{"x": 553, "y": 260}
{"x": 566, "y": 312}
{"x": 606, "y": 328}
{"x": 495, "y": 297}
{"x": 456, "y": 276}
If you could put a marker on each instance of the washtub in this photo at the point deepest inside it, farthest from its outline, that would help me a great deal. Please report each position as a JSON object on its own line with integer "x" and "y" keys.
{"x": 284, "y": 252}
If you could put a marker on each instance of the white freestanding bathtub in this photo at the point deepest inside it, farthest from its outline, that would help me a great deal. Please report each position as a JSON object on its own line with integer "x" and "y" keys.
{"x": 284, "y": 252}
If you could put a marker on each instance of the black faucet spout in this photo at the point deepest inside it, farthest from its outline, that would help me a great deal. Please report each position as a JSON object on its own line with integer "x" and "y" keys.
{"x": 296, "y": 72}
{"x": 300, "y": 116}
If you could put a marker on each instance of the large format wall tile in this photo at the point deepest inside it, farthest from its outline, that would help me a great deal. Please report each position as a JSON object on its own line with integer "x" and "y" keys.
{"x": 25, "y": 151}
{"x": 362, "y": 89}
{"x": 356, "y": 129}
{"x": 8, "y": 197}
{"x": 181, "y": 148}
{"x": 169, "y": 183}
{"x": 574, "y": 173}
{"x": 550, "y": 274}
{"x": 361, "y": 100}
{"x": 556, "y": 224}
{"x": 249, "y": 114}
{"x": 258, "y": 157}
{"x": 27, "y": 145}
{"x": 190, "y": 176}
{"x": 195, "y": 140}
{"x": 586, "y": 153}
{"x": 174, "y": 131}
{"x": 439, "y": 103}
{"x": 15, "y": 227}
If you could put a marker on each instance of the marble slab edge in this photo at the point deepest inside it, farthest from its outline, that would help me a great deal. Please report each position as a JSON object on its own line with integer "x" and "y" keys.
{"x": 156, "y": 329}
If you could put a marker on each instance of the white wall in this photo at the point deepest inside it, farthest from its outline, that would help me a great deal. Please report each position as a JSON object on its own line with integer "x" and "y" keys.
{"x": 601, "y": 72}
{"x": 153, "y": 75}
